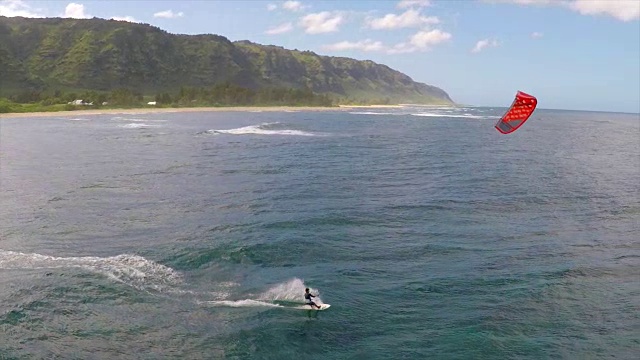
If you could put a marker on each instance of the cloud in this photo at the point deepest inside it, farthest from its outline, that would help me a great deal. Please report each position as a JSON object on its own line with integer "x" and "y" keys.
{"x": 271, "y": 7}
{"x": 11, "y": 8}
{"x": 483, "y": 44}
{"x": 421, "y": 41}
{"x": 75, "y": 11}
{"x": 536, "y": 35}
{"x": 125, "y": 18}
{"x": 280, "y": 29}
{"x": 424, "y": 39}
{"x": 292, "y": 5}
{"x": 408, "y": 19}
{"x": 411, "y": 3}
{"x": 364, "y": 45}
{"x": 322, "y": 22}
{"x": 402, "y": 48}
{"x": 624, "y": 10}
{"x": 168, "y": 14}
{"x": 522, "y": 2}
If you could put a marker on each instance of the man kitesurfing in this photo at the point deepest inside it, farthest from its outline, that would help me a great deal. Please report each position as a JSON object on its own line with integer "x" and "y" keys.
{"x": 307, "y": 299}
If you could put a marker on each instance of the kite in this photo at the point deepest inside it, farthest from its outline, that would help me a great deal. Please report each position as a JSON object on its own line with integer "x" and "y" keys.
{"x": 521, "y": 109}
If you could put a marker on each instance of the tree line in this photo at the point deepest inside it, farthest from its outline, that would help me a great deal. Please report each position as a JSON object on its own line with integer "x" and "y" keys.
{"x": 225, "y": 94}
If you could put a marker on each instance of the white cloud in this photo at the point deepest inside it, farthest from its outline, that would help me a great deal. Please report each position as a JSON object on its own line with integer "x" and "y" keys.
{"x": 292, "y": 5}
{"x": 421, "y": 41}
{"x": 523, "y": 2}
{"x": 75, "y": 11}
{"x": 625, "y": 10}
{"x": 425, "y": 39}
{"x": 126, "y": 18}
{"x": 410, "y": 18}
{"x": 404, "y": 48}
{"x": 271, "y": 7}
{"x": 168, "y": 14}
{"x": 11, "y": 8}
{"x": 280, "y": 29}
{"x": 410, "y": 3}
{"x": 322, "y": 22}
{"x": 364, "y": 45}
{"x": 536, "y": 35}
{"x": 483, "y": 44}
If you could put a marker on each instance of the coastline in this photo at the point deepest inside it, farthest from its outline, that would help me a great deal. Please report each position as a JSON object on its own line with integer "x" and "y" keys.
{"x": 137, "y": 111}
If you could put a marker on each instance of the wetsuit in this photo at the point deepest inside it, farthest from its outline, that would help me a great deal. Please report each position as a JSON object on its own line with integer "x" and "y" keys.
{"x": 308, "y": 301}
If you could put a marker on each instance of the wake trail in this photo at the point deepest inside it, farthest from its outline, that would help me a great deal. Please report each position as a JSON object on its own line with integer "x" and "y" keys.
{"x": 143, "y": 274}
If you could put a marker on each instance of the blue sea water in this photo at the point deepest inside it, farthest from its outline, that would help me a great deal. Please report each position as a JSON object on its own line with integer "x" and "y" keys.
{"x": 432, "y": 236}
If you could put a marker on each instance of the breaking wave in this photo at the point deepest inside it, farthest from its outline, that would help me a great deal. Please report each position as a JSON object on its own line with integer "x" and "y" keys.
{"x": 450, "y": 115}
{"x": 137, "y": 126}
{"x": 262, "y": 129}
{"x": 371, "y": 113}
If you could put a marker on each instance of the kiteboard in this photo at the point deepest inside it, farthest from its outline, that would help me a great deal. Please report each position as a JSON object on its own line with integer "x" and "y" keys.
{"x": 307, "y": 307}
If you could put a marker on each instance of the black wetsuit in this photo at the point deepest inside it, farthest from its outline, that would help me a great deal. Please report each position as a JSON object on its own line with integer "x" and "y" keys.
{"x": 307, "y": 298}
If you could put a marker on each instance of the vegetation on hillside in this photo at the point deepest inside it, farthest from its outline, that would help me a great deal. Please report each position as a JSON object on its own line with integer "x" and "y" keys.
{"x": 225, "y": 94}
{"x": 49, "y": 60}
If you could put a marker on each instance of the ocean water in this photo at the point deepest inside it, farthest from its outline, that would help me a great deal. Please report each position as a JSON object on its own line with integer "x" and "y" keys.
{"x": 432, "y": 236}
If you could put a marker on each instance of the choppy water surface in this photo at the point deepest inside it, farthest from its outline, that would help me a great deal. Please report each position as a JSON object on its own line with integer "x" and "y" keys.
{"x": 193, "y": 235}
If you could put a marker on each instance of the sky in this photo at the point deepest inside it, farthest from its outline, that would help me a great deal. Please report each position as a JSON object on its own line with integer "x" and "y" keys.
{"x": 570, "y": 54}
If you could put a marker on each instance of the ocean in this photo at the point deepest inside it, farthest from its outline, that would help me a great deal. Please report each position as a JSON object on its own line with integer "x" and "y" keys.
{"x": 431, "y": 235}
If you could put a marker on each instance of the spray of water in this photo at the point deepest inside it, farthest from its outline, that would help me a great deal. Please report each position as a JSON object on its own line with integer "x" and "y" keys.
{"x": 138, "y": 272}
{"x": 132, "y": 270}
{"x": 292, "y": 290}
{"x": 289, "y": 291}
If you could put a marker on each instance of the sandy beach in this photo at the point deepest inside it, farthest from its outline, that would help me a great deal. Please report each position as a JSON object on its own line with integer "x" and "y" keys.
{"x": 192, "y": 109}
{"x": 370, "y": 106}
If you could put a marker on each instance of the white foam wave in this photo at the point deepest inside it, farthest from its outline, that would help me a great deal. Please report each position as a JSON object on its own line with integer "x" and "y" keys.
{"x": 465, "y": 116}
{"x": 136, "y": 126}
{"x": 369, "y": 113}
{"x": 263, "y": 129}
{"x": 120, "y": 118}
{"x": 78, "y": 119}
{"x": 242, "y": 303}
{"x": 132, "y": 270}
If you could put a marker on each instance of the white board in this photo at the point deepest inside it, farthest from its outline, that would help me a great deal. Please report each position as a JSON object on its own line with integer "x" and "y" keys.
{"x": 308, "y": 307}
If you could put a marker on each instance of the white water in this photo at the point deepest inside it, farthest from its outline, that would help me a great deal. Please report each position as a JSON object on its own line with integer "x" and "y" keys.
{"x": 138, "y": 272}
{"x": 137, "y": 126}
{"x": 132, "y": 270}
{"x": 263, "y": 129}
{"x": 291, "y": 291}
{"x": 465, "y": 116}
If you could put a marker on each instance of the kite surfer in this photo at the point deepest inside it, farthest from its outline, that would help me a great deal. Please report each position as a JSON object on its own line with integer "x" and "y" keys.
{"x": 307, "y": 299}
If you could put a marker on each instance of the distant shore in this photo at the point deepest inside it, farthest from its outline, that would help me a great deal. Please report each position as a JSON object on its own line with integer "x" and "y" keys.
{"x": 369, "y": 106}
{"x": 191, "y": 109}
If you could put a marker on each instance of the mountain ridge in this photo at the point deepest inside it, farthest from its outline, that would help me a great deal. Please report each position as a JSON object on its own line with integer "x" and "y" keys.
{"x": 49, "y": 54}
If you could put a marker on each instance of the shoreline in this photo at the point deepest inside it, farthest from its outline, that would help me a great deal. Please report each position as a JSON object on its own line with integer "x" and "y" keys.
{"x": 138, "y": 111}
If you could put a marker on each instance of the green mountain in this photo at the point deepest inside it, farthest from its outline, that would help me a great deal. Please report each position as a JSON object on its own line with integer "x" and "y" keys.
{"x": 102, "y": 55}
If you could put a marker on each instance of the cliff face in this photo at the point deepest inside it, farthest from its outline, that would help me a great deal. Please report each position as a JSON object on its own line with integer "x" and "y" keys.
{"x": 97, "y": 54}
